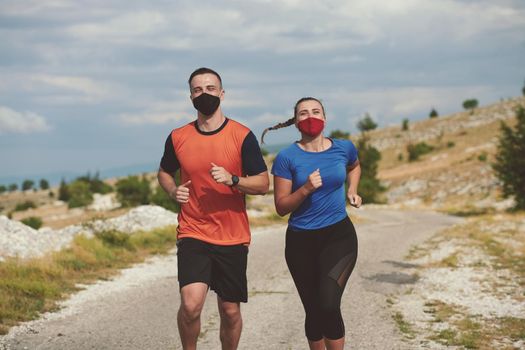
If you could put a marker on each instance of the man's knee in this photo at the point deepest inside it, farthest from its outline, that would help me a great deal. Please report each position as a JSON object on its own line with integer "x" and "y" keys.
{"x": 191, "y": 309}
{"x": 230, "y": 311}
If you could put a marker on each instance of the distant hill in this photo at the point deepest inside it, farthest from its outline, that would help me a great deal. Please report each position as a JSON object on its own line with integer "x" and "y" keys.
{"x": 456, "y": 175}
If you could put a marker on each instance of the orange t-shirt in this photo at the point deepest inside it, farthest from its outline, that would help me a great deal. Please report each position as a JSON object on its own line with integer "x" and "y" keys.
{"x": 215, "y": 212}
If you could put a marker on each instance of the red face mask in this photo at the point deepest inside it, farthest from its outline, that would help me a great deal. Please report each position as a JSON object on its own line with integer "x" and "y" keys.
{"x": 311, "y": 126}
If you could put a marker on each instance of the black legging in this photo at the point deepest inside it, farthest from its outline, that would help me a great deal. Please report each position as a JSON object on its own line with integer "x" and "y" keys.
{"x": 321, "y": 262}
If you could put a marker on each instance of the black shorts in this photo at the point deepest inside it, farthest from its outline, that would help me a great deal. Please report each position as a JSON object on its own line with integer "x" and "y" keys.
{"x": 222, "y": 268}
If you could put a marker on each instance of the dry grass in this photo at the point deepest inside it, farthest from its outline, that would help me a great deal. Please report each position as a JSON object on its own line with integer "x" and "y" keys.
{"x": 31, "y": 287}
{"x": 501, "y": 241}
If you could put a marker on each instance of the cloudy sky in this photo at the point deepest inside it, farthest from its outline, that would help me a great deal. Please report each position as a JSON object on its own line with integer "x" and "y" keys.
{"x": 89, "y": 85}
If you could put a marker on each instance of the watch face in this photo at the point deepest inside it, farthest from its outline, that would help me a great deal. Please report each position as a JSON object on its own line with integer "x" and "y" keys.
{"x": 235, "y": 180}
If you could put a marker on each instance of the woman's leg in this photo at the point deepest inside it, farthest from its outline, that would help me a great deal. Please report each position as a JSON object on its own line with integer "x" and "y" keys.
{"x": 301, "y": 257}
{"x": 337, "y": 262}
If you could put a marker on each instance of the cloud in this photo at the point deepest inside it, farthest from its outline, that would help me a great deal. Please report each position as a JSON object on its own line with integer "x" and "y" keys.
{"x": 389, "y": 104}
{"x": 80, "y": 84}
{"x": 123, "y": 27}
{"x": 160, "y": 112}
{"x": 12, "y": 121}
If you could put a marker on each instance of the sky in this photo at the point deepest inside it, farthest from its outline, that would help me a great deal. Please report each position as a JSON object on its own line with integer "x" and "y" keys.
{"x": 91, "y": 85}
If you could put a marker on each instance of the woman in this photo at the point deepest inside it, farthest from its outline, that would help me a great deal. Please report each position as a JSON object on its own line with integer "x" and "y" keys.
{"x": 321, "y": 243}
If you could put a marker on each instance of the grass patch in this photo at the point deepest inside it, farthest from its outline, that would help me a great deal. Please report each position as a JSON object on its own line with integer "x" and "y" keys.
{"x": 34, "y": 286}
{"x": 403, "y": 325}
{"x": 468, "y": 211}
{"x": 472, "y": 332}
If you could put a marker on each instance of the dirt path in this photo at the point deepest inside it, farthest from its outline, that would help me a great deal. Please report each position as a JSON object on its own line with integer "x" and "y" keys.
{"x": 137, "y": 310}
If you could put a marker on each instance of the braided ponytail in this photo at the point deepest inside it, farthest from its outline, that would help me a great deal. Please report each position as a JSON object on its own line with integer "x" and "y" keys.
{"x": 291, "y": 120}
{"x": 278, "y": 126}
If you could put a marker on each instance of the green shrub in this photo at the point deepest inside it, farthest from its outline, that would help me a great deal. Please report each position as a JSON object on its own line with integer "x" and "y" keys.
{"x": 161, "y": 198}
{"x": 450, "y": 144}
{"x": 24, "y": 206}
{"x": 366, "y": 124}
{"x": 470, "y": 104}
{"x": 404, "y": 125}
{"x": 27, "y": 185}
{"x": 132, "y": 191}
{"x": 32, "y": 221}
{"x": 96, "y": 185}
{"x": 80, "y": 194}
{"x": 63, "y": 191}
{"x": 44, "y": 184}
{"x": 417, "y": 150}
{"x": 482, "y": 157}
{"x": 433, "y": 113}
{"x": 369, "y": 185}
{"x": 339, "y": 134}
{"x": 115, "y": 239}
{"x": 510, "y": 162}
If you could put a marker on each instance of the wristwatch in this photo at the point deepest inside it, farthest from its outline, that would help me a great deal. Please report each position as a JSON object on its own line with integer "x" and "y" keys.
{"x": 235, "y": 180}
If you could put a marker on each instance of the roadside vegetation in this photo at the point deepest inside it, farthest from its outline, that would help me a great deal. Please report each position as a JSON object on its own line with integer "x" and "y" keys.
{"x": 485, "y": 255}
{"x": 31, "y": 287}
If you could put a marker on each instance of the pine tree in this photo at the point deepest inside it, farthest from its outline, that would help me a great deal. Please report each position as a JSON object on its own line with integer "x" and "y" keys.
{"x": 369, "y": 185}
{"x": 366, "y": 124}
{"x": 510, "y": 159}
{"x": 63, "y": 191}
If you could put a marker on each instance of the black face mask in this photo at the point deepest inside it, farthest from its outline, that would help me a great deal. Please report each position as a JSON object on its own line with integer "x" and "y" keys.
{"x": 206, "y": 104}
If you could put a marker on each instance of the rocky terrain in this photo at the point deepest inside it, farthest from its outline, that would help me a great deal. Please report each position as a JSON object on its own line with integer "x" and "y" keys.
{"x": 19, "y": 240}
{"x": 457, "y": 174}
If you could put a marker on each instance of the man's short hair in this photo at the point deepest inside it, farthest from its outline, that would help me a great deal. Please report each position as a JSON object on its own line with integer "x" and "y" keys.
{"x": 204, "y": 70}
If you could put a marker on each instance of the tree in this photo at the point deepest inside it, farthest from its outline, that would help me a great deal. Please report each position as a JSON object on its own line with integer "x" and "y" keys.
{"x": 510, "y": 161}
{"x": 404, "y": 126}
{"x": 63, "y": 191}
{"x": 523, "y": 89}
{"x": 161, "y": 198}
{"x": 27, "y": 185}
{"x": 80, "y": 194}
{"x": 44, "y": 184}
{"x": 33, "y": 221}
{"x": 132, "y": 192}
{"x": 417, "y": 150}
{"x": 3, "y": 188}
{"x": 470, "y": 104}
{"x": 13, "y": 187}
{"x": 366, "y": 124}
{"x": 96, "y": 185}
{"x": 339, "y": 134}
{"x": 369, "y": 157}
{"x": 433, "y": 113}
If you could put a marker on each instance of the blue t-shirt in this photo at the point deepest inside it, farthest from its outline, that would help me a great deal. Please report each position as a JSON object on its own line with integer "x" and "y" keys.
{"x": 326, "y": 205}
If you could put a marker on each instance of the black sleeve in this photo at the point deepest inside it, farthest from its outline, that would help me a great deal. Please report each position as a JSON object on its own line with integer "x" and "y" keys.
{"x": 169, "y": 161}
{"x": 252, "y": 159}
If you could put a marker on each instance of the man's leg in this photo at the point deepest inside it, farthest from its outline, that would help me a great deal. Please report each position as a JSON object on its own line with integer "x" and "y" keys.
{"x": 231, "y": 324}
{"x": 192, "y": 297}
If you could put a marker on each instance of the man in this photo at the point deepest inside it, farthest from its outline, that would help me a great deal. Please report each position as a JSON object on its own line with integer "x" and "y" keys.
{"x": 220, "y": 161}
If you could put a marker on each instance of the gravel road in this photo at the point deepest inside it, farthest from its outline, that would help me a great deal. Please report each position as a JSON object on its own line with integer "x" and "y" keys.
{"x": 137, "y": 310}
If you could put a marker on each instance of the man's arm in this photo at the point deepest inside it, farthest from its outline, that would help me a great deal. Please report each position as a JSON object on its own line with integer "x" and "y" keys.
{"x": 255, "y": 184}
{"x": 180, "y": 193}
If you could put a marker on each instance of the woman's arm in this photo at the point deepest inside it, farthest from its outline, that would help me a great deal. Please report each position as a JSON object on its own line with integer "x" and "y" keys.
{"x": 353, "y": 176}
{"x": 286, "y": 201}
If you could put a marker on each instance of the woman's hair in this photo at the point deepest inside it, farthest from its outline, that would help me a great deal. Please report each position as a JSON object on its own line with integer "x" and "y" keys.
{"x": 291, "y": 120}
